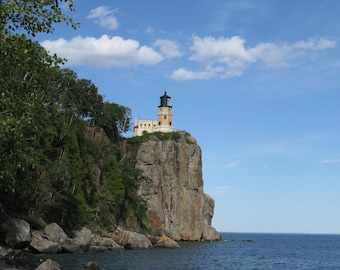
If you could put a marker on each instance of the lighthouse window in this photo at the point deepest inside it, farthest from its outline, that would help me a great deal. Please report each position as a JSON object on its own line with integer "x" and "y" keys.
{"x": 164, "y": 116}
{"x": 170, "y": 123}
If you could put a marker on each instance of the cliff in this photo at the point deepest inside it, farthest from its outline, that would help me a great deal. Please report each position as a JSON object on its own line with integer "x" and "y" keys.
{"x": 173, "y": 188}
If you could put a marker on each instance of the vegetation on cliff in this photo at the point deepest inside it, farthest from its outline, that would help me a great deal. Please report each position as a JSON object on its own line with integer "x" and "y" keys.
{"x": 50, "y": 169}
{"x": 162, "y": 136}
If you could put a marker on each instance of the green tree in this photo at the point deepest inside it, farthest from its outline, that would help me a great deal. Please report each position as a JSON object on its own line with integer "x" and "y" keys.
{"x": 79, "y": 96}
{"x": 34, "y": 16}
{"x": 134, "y": 205}
{"x": 112, "y": 194}
{"x": 24, "y": 67}
{"x": 114, "y": 119}
{"x": 47, "y": 164}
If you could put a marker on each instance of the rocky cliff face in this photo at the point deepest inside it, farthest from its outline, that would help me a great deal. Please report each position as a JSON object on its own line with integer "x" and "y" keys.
{"x": 173, "y": 189}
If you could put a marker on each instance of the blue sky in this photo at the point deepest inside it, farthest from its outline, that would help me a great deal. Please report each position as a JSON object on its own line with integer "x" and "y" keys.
{"x": 255, "y": 82}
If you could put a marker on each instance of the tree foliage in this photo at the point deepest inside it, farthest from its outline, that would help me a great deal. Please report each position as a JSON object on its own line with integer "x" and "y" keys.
{"x": 34, "y": 16}
{"x": 48, "y": 165}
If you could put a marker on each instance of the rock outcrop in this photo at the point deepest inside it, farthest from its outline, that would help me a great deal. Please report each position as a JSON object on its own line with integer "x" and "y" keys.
{"x": 173, "y": 189}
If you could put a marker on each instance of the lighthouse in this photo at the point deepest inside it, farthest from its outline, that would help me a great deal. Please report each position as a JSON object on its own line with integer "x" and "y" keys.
{"x": 164, "y": 122}
{"x": 165, "y": 114}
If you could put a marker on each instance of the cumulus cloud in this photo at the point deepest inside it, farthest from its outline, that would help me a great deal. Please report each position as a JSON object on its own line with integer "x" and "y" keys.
{"x": 104, "y": 16}
{"x": 105, "y": 51}
{"x": 168, "y": 48}
{"x": 228, "y": 57}
{"x": 230, "y": 51}
{"x": 327, "y": 161}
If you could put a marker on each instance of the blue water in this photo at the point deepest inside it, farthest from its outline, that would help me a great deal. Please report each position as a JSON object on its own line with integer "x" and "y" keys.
{"x": 266, "y": 252}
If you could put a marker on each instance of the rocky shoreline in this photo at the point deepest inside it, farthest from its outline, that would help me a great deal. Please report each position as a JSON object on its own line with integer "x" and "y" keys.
{"x": 21, "y": 240}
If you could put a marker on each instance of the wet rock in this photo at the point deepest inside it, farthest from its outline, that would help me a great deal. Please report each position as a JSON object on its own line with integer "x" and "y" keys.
{"x": 99, "y": 243}
{"x": 167, "y": 242}
{"x": 49, "y": 265}
{"x": 92, "y": 266}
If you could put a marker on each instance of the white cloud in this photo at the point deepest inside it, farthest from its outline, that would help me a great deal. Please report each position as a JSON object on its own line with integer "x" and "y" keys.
{"x": 229, "y": 57}
{"x": 327, "y": 161}
{"x": 168, "y": 48}
{"x": 105, "y": 17}
{"x": 103, "y": 52}
{"x": 230, "y": 51}
{"x": 271, "y": 54}
{"x": 149, "y": 30}
{"x": 232, "y": 165}
{"x": 312, "y": 44}
{"x": 183, "y": 74}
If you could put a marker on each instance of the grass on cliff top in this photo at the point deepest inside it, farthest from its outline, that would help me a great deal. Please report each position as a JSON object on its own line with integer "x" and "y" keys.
{"x": 163, "y": 136}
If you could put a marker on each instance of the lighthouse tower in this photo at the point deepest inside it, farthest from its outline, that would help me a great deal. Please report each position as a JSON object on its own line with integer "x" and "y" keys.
{"x": 164, "y": 122}
{"x": 165, "y": 114}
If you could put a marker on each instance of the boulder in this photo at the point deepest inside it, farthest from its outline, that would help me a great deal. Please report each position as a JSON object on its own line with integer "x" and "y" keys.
{"x": 133, "y": 240}
{"x": 42, "y": 245}
{"x": 100, "y": 243}
{"x": 49, "y": 265}
{"x": 4, "y": 251}
{"x": 69, "y": 246}
{"x": 56, "y": 234}
{"x": 18, "y": 233}
{"x": 167, "y": 242}
{"x": 82, "y": 238}
{"x": 92, "y": 266}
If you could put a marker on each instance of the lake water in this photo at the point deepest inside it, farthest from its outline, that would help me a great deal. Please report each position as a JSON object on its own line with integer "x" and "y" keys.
{"x": 265, "y": 252}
